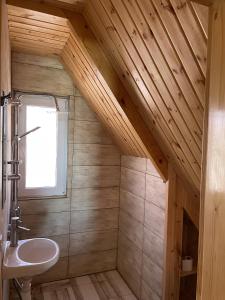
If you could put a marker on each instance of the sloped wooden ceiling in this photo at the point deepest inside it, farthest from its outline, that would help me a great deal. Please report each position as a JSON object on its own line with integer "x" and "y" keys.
{"x": 156, "y": 48}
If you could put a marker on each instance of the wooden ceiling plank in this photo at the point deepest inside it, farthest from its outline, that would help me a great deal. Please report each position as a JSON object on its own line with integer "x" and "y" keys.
{"x": 180, "y": 45}
{"x": 73, "y": 5}
{"x": 35, "y": 15}
{"x": 123, "y": 146}
{"x": 93, "y": 97}
{"x": 152, "y": 145}
{"x": 37, "y": 7}
{"x": 36, "y": 23}
{"x": 100, "y": 93}
{"x": 202, "y": 14}
{"x": 156, "y": 98}
{"x": 172, "y": 59}
{"x": 191, "y": 30}
{"x": 34, "y": 49}
{"x": 16, "y": 35}
{"x": 106, "y": 40}
{"x": 158, "y": 80}
{"x": 29, "y": 32}
{"x": 113, "y": 105}
{"x": 165, "y": 71}
{"x": 43, "y": 30}
{"x": 26, "y": 41}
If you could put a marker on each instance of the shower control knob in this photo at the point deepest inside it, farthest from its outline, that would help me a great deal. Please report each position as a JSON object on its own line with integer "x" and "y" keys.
{"x": 13, "y": 162}
{"x": 14, "y": 177}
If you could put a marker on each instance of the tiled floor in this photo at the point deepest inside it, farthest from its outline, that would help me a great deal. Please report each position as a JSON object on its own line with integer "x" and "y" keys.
{"x": 101, "y": 286}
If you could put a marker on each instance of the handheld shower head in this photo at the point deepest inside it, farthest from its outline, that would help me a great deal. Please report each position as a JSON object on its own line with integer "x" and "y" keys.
{"x": 28, "y": 132}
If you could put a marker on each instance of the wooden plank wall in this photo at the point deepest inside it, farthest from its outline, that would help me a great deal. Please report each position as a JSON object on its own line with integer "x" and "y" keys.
{"x": 211, "y": 280}
{"x": 180, "y": 199}
{"x": 158, "y": 49}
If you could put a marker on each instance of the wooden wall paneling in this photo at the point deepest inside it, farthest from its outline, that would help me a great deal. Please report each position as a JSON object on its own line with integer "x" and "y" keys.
{"x": 90, "y": 93}
{"x": 181, "y": 199}
{"x": 90, "y": 96}
{"x": 182, "y": 48}
{"x": 110, "y": 103}
{"x": 137, "y": 80}
{"x": 116, "y": 89}
{"x": 157, "y": 29}
{"x": 167, "y": 76}
{"x": 173, "y": 245}
{"x": 37, "y": 30}
{"x": 105, "y": 107}
{"x": 202, "y": 15}
{"x": 211, "y": 280}
{"x": 190, "y": 28}
{"x": 159, "y": 83}
{"x": 153, "y": 89}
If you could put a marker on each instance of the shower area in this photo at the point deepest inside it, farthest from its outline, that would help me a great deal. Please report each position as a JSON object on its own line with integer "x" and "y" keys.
{"x": 105, "y": 210}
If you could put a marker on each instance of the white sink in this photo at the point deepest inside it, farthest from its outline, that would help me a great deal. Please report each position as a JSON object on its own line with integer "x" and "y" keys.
{"x": 31, "y": 257}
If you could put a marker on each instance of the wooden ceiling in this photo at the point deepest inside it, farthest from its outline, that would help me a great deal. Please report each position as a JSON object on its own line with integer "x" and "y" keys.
{"x": 159, "y": 51}
{"x": 145, "y": 77}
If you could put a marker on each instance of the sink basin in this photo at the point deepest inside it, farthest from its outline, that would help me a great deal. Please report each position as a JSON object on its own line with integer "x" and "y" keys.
{"x": 31, "y": 257}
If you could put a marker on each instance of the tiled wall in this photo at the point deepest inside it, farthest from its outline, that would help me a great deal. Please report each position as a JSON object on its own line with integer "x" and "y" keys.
{"x": 85, "y": 224}
{"x": 141, "y": 227}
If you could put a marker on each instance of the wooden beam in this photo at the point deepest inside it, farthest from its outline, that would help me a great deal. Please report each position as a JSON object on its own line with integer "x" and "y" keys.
{"x": 105, "y": 70}
{"x": 211, "y": 268}
{"x": 53, "y": 8}
{"x": 174, "y": 227}
{"x": 38, "y": 6}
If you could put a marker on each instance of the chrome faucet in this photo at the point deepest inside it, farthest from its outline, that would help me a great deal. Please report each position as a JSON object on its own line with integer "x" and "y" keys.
{"x": 14, "y": 228}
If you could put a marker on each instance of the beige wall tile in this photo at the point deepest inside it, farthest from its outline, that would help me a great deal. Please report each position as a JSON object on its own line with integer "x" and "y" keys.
{"x": 26, "y": 77}
{"x": 152, "y": 275}
{"x": 129, "y": 274}
{"x": 90, "y": 133}
{"x": 42, "y": 61}
{"x": 147, "y": 293}
{"x": 47, "y": 225}
{"x": 92, "y": 198}
{"x": 156, "y": 191}
{"x": 131, "y": 228}
{"x": 44, "y": 206}
{"x": 83, "y": 112}
{"x": 93, "y": 241}
{"x": 90, "y": 220}
{"x": 151, "y": 169}
{"x": 57, "y": 272}
{"x": 153, "y": 247}
{"x": 96, "y": 155}
{"x": 130, "y": 252}
{"x": 63, "y": 242}
{"x": 134, "y": 163}
{"x": 133, "y": 205}
{"x": 92, "y": 262}
{"x": 95, "y": 176}
{"x": 133, "y": 181}
{"x": 155, "y": 219}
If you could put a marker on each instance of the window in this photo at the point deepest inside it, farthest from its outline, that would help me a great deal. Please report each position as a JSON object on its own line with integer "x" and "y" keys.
{"x": 43, "y": 152}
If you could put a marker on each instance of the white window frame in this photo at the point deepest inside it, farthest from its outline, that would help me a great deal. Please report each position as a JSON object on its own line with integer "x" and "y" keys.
{"x": 62, "y": 144}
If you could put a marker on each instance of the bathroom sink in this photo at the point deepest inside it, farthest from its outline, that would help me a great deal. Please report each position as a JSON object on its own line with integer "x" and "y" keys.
{"x": 31, "y": 257}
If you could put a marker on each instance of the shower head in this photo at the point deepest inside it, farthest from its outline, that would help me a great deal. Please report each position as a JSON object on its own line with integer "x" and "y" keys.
{"x": 28, "y": 132}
